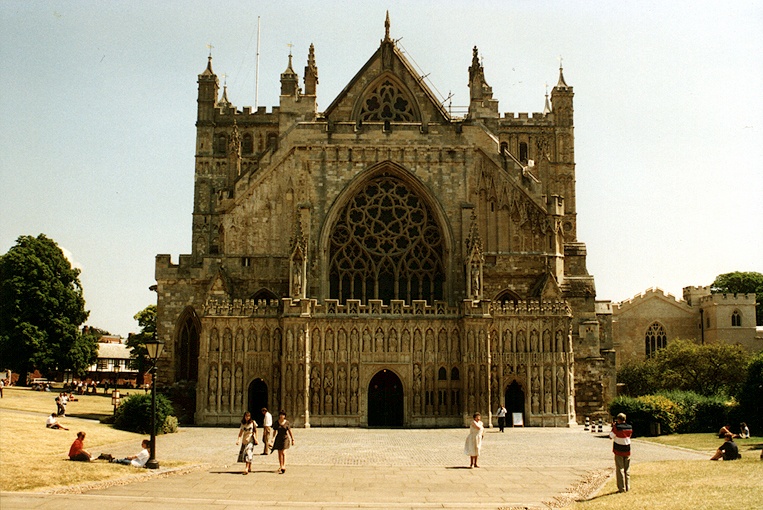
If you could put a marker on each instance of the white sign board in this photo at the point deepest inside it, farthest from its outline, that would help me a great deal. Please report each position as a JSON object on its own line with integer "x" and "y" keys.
{"x": 517, "y": 420}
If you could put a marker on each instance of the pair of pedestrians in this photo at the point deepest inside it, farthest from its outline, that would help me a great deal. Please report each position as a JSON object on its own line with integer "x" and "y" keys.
{"x": 248, "y": 431}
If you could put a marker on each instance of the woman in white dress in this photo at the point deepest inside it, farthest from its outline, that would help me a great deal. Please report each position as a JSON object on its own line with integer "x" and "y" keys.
{"x": 474, "y": 440}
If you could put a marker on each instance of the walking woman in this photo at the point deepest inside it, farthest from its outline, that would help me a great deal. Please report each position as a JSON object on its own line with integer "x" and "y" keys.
{"x": 474, "y": 440}
{"x": 247, "y": 433}
{"x": 284, "y": 439}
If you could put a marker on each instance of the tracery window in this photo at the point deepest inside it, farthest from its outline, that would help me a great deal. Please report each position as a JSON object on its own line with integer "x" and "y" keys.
{"x": 736, "y": 319}
{"x": 386, "y": 245}
{"x": 188, "y": 348}
{"x": 656, "y": 338}
{"x": 387, "y": 102}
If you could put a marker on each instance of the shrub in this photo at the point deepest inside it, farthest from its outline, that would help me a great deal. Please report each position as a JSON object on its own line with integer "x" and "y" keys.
{"x": 183, "y": 397}
{"x": 170, "y": 425}
{"x": 675, "y": 411}
{"x": 135, "y": 413}
{"x": 637, "y": 413}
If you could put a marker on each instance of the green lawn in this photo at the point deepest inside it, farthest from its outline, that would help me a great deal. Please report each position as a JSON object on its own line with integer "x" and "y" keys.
{"x": 37, "y": 456}
{"x": 689, "y": 484}
{"x": 706, "y": 442}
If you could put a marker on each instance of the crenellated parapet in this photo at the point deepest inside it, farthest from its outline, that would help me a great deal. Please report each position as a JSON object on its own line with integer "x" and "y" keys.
{"x": 638, "y": 298}
{"x": 527, "y": 119}
{"x": 376, "y": 307}
{"x": 728, "y": 299}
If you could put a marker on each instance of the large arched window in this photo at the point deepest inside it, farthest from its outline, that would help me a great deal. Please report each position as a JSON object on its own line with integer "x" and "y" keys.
{"x": 655, "y": 339}
{"x": 188, "y": 347}
{"x": 386, "y": 245}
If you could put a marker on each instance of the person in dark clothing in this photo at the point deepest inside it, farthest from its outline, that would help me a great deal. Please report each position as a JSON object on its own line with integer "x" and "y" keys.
{"x": 728, "y": 450}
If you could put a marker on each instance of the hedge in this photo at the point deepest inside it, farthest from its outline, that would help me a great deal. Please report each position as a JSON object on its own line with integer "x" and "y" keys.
{"x": 675, "y": 411}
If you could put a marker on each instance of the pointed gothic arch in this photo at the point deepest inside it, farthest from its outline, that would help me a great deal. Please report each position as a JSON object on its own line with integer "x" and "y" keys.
{"x": 188, "y": 332}
{"x": 654, "y": 339}
{"x": 386, "y": 238}
{"x": 264, "y": 294}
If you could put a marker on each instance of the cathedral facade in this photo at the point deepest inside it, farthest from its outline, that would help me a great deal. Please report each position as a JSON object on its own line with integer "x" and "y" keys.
{"x": 383, "y": 263}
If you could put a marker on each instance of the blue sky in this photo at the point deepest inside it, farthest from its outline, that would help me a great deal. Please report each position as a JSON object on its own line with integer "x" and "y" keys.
{"x": 99, "y": 103}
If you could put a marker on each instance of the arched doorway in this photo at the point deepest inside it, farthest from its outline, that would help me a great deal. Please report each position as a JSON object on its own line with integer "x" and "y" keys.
{"x": 258, "y": 398}
{"x": 515, "y": 400}
{"x": 385, "y": 400}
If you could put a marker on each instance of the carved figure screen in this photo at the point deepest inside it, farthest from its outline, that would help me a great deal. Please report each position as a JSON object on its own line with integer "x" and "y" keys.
{"x": 386, "y": 245}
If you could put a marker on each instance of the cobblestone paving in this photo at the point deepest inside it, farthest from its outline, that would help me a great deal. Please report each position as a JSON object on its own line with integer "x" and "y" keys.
{"x": 365, "y": 468}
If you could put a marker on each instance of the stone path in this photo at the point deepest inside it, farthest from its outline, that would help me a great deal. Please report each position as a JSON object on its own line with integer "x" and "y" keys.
{"x": 363, "y": 468}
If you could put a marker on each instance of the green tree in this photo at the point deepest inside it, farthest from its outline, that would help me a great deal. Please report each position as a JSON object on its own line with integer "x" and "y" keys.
{"x": 41, "y": 310}
{"x": 137, "y": 342}
{"x": 742, "y": 283}
{"x": 708, "y": 369}
{"x": 751, "y": 395}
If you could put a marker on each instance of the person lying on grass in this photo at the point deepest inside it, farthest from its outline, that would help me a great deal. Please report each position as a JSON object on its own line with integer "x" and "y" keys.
{"x": 52, "y": 422}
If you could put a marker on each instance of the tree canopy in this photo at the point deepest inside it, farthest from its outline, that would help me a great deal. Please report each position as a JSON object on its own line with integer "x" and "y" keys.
{"x": 708, "y": 369}
{"x": 41, "y": 310}
{"x": 740, "y": 282}
{"x": 137, "y": 342}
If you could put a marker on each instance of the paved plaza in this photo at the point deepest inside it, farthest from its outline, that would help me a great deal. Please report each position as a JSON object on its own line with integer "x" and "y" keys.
{"x": 330, "y": 468}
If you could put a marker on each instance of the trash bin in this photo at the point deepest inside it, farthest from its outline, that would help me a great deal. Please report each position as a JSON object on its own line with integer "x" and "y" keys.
{"x": 654, "y": 429}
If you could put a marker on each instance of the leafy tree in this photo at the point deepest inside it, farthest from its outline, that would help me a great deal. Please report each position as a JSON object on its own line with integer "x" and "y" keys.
{"x": 751, "y": 395}
{"x": 41, "y": 310}
{"x": 137, "y": 342}
{"x": 742, "y": 283}
{"x": 639, "y": 378}
{"x": 707, "y": 369}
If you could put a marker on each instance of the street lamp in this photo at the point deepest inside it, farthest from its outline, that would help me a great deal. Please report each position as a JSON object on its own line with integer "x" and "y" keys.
{"x": 154, "y": 348}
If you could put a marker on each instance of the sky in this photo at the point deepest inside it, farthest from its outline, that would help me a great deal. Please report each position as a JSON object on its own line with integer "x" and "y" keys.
{"x": 98, "y": 107}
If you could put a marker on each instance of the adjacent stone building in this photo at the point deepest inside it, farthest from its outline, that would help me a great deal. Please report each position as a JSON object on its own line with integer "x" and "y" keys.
{"x": 383, "y": 263}
{"x": 647, "y": 322}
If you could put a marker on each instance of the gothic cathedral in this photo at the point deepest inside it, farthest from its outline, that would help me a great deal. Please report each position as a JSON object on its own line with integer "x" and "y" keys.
{"x": 384, "y": 263}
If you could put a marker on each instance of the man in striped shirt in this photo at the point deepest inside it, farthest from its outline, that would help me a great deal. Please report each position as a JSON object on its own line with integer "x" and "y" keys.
{"x": 621, "y": 447}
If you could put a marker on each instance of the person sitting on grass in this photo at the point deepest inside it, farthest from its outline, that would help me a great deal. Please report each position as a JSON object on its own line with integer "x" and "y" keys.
{"x": 77, "y": 451}
{"x": 744, "y": 431}
{"x": 52, "y": 422}
{"x": 726, "y": 429}
{"x": 728, "y": 450}
{"x": 137, "y": 460}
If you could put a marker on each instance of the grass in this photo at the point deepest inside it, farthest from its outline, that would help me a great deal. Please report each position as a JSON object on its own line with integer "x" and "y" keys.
{"x": 705, "y": 442}
{"x": 685, "y": 484}
{"x": 87, "y": 406}
{"x": 689, "y": 484}
{"x": 37, "y": 456}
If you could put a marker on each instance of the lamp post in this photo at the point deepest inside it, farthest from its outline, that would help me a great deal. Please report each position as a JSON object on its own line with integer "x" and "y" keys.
{"x": 154, "y": 348}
